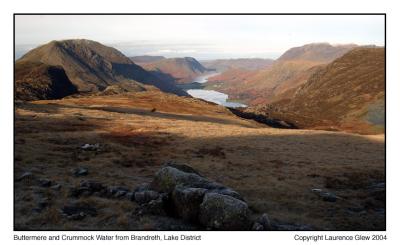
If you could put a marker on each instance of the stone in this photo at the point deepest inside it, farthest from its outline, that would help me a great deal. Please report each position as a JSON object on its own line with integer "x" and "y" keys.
{"x": 56, "y": 187}
{"x": 222, "y": 212}
{"x": 142, "y": 187}
{"x": 182, "y": 167}
{"x": 326, "y": 196}
{"x": 154, "y": 207}
{"x": 92, "y": 186}
{"x": 168, "y": 177}
{"x": 81, "y": 172}
{"x": 130, "y": 196}
{"x": 78, "y": 211}
{"x": 145, "y": 196}
{"x": 79, "y": 191}
{"x": 257, "y": 227}
{"x": 186, "y": 202}
{"x": 228, "y": 192}
{"x": 90, "y": 147}
{"x": 264, "y": 221}
{"x": 45, "y": 183}
{"x": 26, "y": 176}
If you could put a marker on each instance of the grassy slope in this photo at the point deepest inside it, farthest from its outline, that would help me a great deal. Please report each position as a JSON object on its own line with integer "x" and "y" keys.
{"x": 273, "y": 169}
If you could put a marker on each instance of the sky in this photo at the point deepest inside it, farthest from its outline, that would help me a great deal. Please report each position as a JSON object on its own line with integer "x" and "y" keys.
{"x": 200, "y": 36}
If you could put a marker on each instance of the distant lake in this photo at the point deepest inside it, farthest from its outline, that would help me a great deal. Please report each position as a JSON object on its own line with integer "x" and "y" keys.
{"x": 194, "y": 89}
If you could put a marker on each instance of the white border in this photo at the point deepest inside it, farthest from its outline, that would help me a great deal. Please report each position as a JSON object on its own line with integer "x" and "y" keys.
{"x": 204, "y": 6}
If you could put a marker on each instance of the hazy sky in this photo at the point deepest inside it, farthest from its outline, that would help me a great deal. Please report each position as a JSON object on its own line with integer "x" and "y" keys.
{"x": 202, "y": 37}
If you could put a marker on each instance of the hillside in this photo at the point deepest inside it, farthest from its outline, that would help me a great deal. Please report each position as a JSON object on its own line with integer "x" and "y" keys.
{"x": 92, "y": 66}
{"x": 183, "y": 70}
{"x": 319, "y": 52}
{"x": 222, "y": 65}
{"x": 348, "y": 94}
{"x": 279, "y": 80}
{"x": 131, "y": 136}
{"x": 38, "y": 81}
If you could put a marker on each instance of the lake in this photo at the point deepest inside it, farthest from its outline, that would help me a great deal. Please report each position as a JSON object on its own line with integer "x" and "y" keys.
{"x": 210, "y": 95}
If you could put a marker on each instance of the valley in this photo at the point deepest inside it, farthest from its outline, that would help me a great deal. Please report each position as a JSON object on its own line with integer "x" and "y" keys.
{"x": 103, "y": 141}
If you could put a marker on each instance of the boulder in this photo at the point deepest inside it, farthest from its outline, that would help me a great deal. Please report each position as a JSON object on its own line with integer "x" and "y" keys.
{"x": 222, "y": 212}
{"x": 264, "y": 221}
{"x": 228, "y": 192}
{"x": 154, "y": 207}
{"x": 168, "y": 177}
{"x": 145, "y": 196}
{"x": 117, "y": 191}
{"x": 182, "y": 167}
{"x": 186, "y": 202}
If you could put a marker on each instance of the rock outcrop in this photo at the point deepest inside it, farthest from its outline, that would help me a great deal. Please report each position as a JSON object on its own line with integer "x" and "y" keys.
{"x": 194, "y": 198}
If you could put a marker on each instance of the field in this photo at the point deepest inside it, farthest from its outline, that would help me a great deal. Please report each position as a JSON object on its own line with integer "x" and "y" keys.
{"x": 275, "y": 170}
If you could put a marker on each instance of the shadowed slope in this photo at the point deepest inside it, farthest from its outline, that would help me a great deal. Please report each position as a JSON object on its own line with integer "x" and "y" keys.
{"x": 92, "y": 66}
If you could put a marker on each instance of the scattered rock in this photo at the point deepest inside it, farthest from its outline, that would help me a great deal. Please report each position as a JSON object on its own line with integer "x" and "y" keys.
{"x": 142, "y": 187}
{"x": 26, "y": 176}
{"x": 145, "y": 196}
{"x": 326, "y": 196}
{"x": 257, "y": 227}
{"x": 93, "y": 186}
{"x": 154, "y": 207}
{"x": 56, "y": 187}
{"x": 45, "y": 182}
{"x": 130, "y": 196}
{"x": 43, "y": 203}
{"x": 90, "y": 147}
{"x": 263, "y": 220}
{"x": 224, "y": 212}
{"x": 117, "y": 191}
{"x": 186, "y": 202}
{"x": 78, "y": 211}
{"x": 81, "y": 171}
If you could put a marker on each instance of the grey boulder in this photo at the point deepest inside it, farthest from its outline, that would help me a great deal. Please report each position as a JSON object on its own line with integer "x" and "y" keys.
{"x": 222, "y": 212}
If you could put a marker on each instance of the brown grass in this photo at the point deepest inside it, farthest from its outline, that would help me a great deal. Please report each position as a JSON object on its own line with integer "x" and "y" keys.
{"x": 274, "y": 169}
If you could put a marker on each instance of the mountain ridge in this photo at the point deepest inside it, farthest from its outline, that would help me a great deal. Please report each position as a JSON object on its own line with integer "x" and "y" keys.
{"x": 92, "y": 66}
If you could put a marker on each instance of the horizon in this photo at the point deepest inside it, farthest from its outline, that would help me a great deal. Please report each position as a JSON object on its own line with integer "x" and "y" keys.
{"x": 204, "y": 37}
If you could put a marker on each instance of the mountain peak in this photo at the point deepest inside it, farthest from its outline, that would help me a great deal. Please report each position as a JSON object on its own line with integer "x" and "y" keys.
{"x": 322, "y": 52}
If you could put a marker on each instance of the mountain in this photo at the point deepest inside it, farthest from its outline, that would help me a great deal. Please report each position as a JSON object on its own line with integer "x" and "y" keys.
{"x": 143, "y": 59}
{"x": 222, "y": 65}
{"x": 347, "y": 94}
{"x": 319, "y": 52}
{"x": 280, "y": 79}
{"x": 184, "y": 70}
{"x": 92, "y": 66}
{"x": 38, "y": 81}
